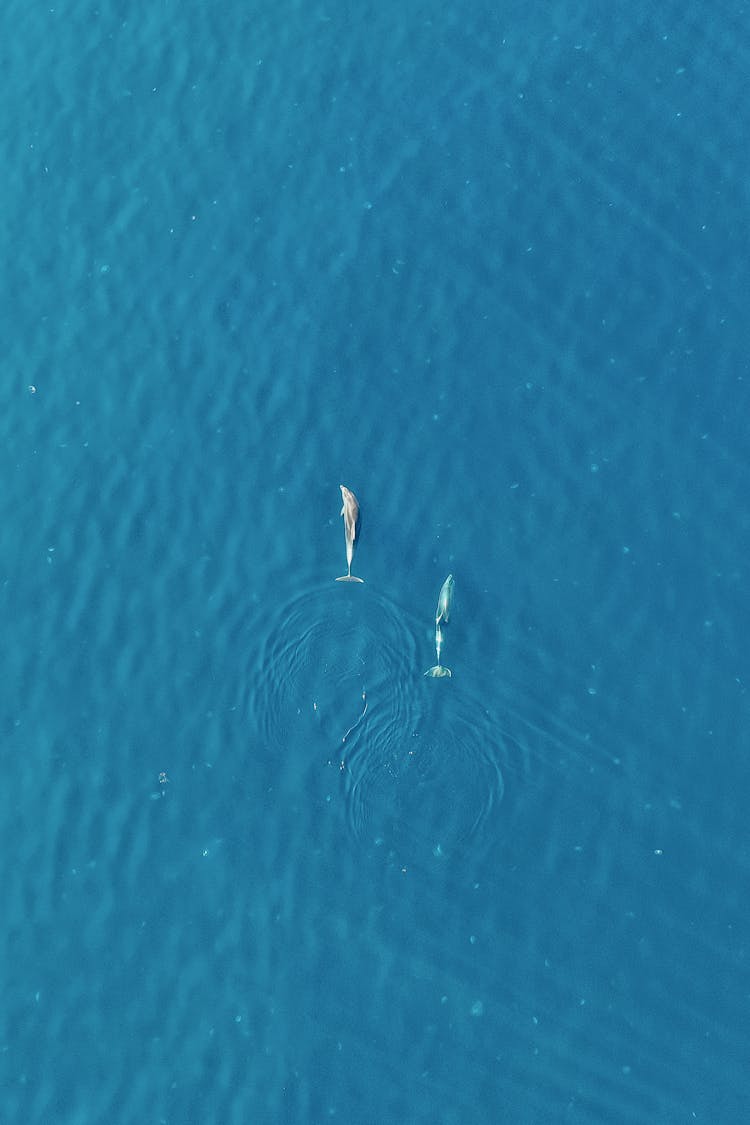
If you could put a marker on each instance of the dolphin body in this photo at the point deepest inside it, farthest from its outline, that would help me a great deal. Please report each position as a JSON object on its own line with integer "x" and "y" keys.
{"x": 442, "y": 617}
{"x": 350, "y": 512}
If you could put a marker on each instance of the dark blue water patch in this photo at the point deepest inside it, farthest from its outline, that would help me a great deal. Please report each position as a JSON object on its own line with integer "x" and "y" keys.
{"x": 486, "y": 270}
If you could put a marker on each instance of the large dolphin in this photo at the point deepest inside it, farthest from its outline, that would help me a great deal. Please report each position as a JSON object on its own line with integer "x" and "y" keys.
{"x": 442, "y": 617}
{"x": 350, "y": 512}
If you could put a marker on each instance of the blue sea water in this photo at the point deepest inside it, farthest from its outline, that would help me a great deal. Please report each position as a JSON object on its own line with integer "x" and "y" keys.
{"x": 488, "y": 268}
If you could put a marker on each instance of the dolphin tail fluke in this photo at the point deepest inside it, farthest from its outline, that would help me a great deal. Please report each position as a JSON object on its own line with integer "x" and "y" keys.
{"x": 349, "y": 578}
{"x": 438, "y": 670}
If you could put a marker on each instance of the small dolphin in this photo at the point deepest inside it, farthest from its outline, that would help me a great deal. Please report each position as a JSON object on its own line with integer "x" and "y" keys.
{"x": 442, "y": 616}
{"x": 445, "y": 601}
{"x": 350, "y": 512}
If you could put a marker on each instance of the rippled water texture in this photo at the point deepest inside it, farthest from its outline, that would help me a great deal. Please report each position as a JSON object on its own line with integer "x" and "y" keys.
{"x": 428, "y": 787}
{"x": 320, "y": 654}
{"x": 340, "y": 684}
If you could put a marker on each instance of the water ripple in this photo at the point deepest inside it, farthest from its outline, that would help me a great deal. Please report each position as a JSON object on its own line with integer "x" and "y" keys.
{"x": 427, "y": 788}
{"x": 328, "y": 653}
